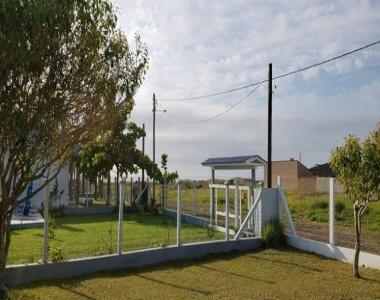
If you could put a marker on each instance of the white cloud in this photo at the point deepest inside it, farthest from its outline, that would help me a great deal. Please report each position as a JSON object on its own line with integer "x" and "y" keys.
{"x": 200, "y": 46}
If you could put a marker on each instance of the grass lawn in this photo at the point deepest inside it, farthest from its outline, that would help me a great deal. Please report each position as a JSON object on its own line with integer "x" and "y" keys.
{"x": 266, "y": 274}
{"x": 88, "y": 235}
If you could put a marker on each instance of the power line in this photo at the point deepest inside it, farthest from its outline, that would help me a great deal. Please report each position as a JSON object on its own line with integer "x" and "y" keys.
{"x": 250, "y": 93}
{"x": 274, "y": 78}
{"x": 238, "y": 102}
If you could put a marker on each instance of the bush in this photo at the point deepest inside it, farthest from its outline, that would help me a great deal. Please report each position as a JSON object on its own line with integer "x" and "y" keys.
{"x": 319, "y": 205}
{"x": 339, "y": 207}
{"x": 273, "y": 234}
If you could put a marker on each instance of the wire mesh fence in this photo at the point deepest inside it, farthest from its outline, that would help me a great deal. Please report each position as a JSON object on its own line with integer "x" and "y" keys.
{"x": 26, "y": 237}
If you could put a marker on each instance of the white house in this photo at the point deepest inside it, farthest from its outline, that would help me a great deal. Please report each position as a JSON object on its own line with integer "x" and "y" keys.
{"x": 63, "y": 185}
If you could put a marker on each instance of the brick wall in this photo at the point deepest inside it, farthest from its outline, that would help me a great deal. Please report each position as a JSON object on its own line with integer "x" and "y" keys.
{"x": 294, "y": 175}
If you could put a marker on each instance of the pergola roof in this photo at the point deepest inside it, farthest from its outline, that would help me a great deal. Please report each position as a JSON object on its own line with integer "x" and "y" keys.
{"x": 234, "y": 162}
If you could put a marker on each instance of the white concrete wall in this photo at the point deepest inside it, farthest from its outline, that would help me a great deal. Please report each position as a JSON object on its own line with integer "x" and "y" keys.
{"x": 63, "y": 184}
{"x": 322, "y": 185}
{"x": 334, "y": 252}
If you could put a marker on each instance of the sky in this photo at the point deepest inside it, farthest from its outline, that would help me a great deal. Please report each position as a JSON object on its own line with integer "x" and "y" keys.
{"x": 198, "y": 47}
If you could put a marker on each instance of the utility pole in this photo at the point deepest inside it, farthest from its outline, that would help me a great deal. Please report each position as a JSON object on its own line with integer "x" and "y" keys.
{"x": 154, "y": 141}
{"x": 269, "y": 173}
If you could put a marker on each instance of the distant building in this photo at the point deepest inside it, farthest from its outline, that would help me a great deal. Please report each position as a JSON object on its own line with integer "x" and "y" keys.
{"x": 322, "y": 174}
{"x": 296, "y": 176}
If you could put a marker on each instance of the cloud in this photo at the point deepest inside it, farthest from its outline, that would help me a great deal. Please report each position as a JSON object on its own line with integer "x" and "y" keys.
{"x": 199, "y": 47}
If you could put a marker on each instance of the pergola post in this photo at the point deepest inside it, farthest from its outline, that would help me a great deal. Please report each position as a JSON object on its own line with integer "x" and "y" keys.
{"x": 212, "y": 205}
{"x": 253, "y": 177}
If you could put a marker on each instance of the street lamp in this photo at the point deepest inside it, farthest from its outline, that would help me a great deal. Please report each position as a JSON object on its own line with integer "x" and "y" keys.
{"x": 154, "y": 137}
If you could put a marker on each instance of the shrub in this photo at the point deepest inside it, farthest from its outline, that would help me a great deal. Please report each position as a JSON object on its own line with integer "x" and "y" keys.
{"x": 273, "y": 234}
{"x": 211, "y": 228}
{"x": 339, "y": 207}
{"x": 319, "y": 205}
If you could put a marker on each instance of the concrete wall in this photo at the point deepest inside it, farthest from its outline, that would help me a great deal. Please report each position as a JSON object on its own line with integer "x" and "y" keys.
{"x": 187, "y": 218}
{"x": 306, "y": 184}
{"x": 16, "y": 275}
{"x": 267, "y": 209}
{"x": 334, "y": 252}
{"x": 323, "y": 185}
{"x": 89, "y": 210}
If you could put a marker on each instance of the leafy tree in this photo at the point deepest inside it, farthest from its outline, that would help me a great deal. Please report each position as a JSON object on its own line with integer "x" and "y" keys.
{"x": 65, "y": 72}
{"x": 357, "y": 167}
{"x": 117, "y": 148}
{"x": 166, "y": 177}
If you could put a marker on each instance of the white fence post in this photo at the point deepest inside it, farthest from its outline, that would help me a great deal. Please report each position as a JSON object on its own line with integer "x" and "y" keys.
{"x": 237, "y": 206}
{"x": 45, "y": 254}
{"x": 332, "y": 213}
{"x": 121, "y": 217}
{"x": 211, "y": 194}
{"x": 179, "y": 204}
{"x": 227, "y": 213}
{"x": 278, "y": 180}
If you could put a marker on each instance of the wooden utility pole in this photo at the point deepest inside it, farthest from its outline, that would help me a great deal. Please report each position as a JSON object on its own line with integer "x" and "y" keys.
{"x": 269, "y": 168}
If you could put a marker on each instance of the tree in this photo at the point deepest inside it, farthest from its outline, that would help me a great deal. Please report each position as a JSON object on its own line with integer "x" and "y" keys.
{"x": 167, "y": 177}
{"x": 65, "y": 72}
{"x": 357, "y": 167}
{"x": 117, "y": 148}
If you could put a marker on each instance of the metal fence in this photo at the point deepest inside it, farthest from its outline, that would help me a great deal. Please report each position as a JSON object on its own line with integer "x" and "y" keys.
{"x": 123, "y": 227}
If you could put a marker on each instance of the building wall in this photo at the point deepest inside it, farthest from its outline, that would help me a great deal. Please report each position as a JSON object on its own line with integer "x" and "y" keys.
{"x": 323, "y": 185}
{"x": 63, "y": 185}
{"x": 294, "y": 176}
{"x": 307, "y": 184}
{"x": 288, "y": 170}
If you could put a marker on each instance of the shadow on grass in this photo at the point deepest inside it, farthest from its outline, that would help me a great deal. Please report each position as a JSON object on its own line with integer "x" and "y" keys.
{"x": 70, "y": 288}
{"x": 273, "y": 260}
{"x": 189, "y": 289}
{"x": 70, "y": 228}
{"x": 236, "y": 274}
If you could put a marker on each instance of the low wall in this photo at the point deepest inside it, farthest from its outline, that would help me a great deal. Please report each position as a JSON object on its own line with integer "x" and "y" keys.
{"x": 190, "y": 219}
{"x": 194, "y": 220}
{"x": 89, "y": 210}
{"x": 16, "y": 275}
{"x": 334, "y": 252}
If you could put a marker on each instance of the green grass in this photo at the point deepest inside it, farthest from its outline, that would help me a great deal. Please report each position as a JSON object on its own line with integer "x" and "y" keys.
{"x": 87, "y": 235}
{"x": 267, "y": 274}
{"x": 307, "y": 206}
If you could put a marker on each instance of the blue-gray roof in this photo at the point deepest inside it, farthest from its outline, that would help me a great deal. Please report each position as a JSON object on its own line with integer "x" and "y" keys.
{"x": 234, "y": 160}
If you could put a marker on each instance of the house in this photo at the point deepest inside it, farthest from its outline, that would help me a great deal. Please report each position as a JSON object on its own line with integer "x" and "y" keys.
{"x": 62, "y": 180}
{"x": 296, "y": 176}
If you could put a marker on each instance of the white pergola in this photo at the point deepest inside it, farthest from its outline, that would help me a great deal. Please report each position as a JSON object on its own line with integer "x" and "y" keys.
{"x": 245, "y": 162}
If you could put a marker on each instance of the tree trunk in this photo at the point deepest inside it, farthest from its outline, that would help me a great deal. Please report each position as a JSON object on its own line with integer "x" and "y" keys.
{"x": 96, "y": 189}
{"x": 357, "y": 218}
{"x": 5, "y": 238}
{"x": 77, "y": 184}
{"x": 101, "y": 192}
{"x": 83, "y": 185}
{"x": 71, "y": 185}
{"x": 108, "y": 189}
{"x": 117, "y": 187}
